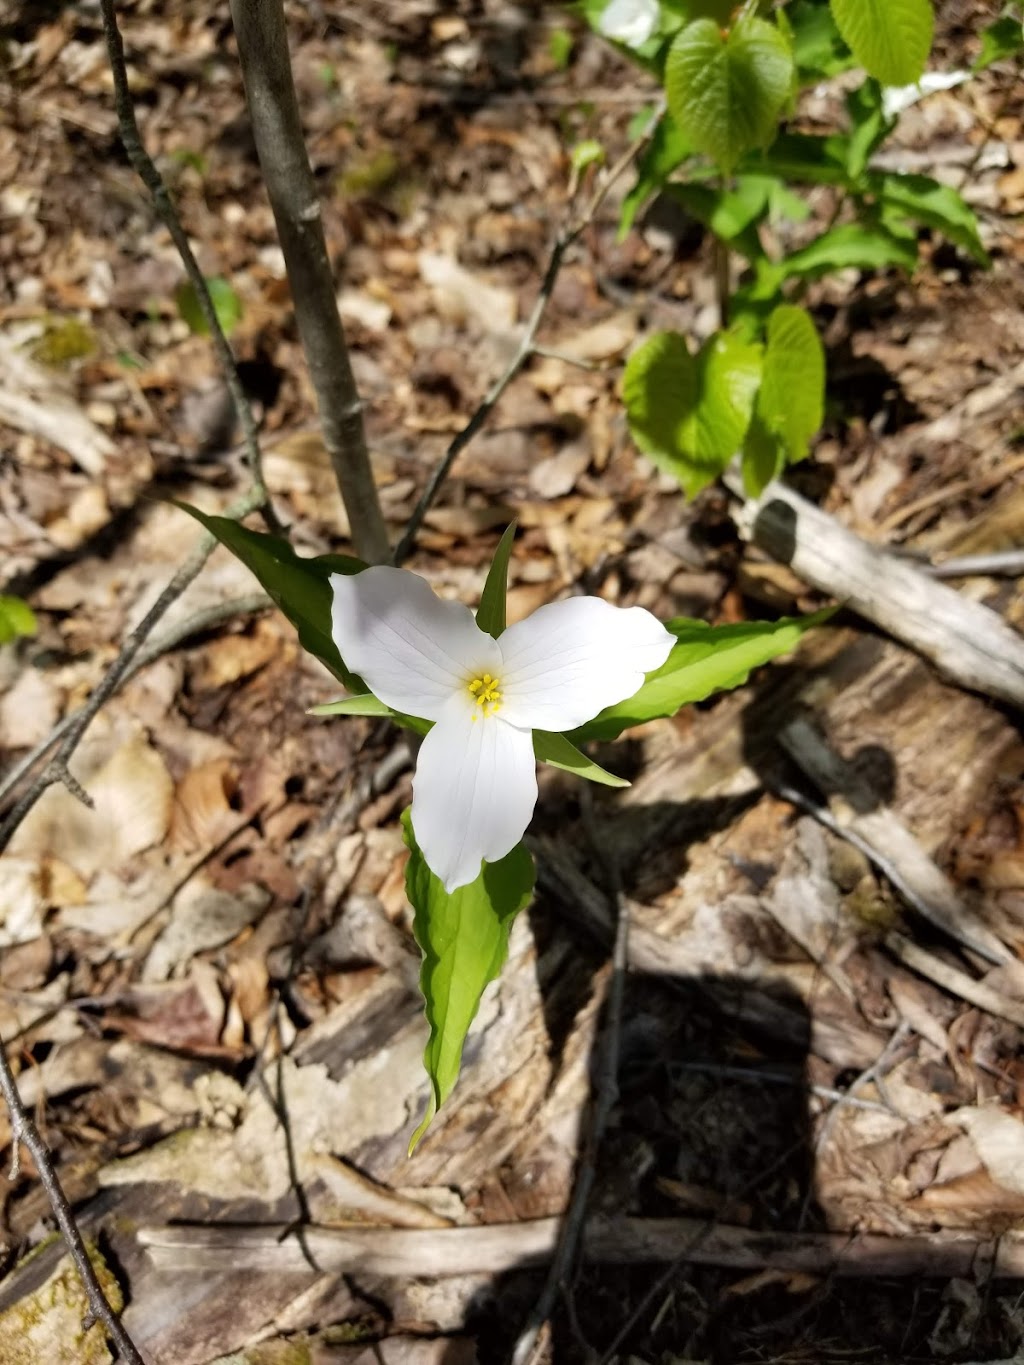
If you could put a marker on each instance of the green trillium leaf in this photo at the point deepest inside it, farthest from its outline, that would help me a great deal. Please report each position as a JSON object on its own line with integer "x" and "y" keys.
{"x": 704, "y": 660}
{"x": 464, "y": 940}
{"x": 299, "y": 586}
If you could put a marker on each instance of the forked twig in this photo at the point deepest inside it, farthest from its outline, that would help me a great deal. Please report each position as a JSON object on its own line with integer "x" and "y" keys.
{"x": 57, "y": 769}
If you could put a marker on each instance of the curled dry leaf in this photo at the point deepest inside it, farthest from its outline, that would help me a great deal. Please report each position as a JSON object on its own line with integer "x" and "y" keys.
{"x": 203, "y": 810}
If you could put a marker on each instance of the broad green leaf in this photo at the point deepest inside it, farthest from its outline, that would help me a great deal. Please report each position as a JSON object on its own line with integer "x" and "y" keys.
{"x": 16, "y": 618}
{"x": 727, "y": 212}
{"x": 464, "y": 941}
{"x": 668, "y": 149}
{"x": 1004, "y": 38}
{"x": 705, "y": 659}
{"x": 689, "y": 413}
{"x": 226, "y": 304}
{"x": 727, "y": 91}
{"x": 721, "y": 11}
{"x": 561, "y": 753}
{"x": 764, "y": 457}
{"x": 891, "y": 39}
{"x": 791, "y": 399}
{"x": 938, "y": 206}
{"x": 870, "y": 125}
{"x": 586, "y": 153}
{"x": 297, "y": 585}
{"x": 490, "y": 615}
{"x": 365, "y": 704}
{"x": 818, "y": 49}
{"x": 807, "y": 159}
{"x": 855, "y": 245}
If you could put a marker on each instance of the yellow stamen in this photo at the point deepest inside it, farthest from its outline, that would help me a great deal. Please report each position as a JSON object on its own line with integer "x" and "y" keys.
{"x": 486, "y": 692}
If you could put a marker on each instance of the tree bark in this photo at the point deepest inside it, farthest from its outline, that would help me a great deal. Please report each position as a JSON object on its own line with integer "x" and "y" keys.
{"x": 277, "y": 129}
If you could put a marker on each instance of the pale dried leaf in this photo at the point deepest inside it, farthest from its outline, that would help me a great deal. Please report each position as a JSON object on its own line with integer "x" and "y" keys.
{"x": 132, "y": 793}
{"x": 998, "y": 1138}
{"x": 202, "y": 918}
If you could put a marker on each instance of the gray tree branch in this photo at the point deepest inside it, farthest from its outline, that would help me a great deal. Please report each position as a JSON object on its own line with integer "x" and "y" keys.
{"x": 273, "y": 108}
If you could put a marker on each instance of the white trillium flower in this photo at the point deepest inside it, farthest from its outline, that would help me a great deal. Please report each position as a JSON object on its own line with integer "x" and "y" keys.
{"x": 629, "y": 21}
{"x": 476, "y": 776}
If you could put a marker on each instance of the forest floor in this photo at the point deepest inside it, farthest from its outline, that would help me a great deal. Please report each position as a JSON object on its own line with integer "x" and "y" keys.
{"x": 208, "y": 984}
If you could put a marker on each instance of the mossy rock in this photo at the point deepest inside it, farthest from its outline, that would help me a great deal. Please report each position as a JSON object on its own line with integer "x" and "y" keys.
{"x": 47, "y": 1325}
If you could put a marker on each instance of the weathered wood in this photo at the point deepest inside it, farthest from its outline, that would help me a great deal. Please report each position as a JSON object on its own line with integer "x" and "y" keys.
{"x": 500, "y": 1247}
{"x": 965, "y": 640}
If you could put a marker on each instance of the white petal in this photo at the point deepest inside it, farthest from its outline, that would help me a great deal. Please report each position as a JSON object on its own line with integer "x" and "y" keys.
{"x": 571, "y": 659}
{"x": 412, "y": 649}
{"x": 473, "y": 793}
{"x": 629, "y": 21}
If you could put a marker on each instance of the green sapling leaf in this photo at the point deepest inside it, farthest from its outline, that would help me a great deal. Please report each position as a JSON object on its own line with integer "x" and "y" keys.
{"x": 1004, "y": 38}
{"x": 727, "y": 90}
{"x": 464, "y": 940}
{"x": 16, "y": 618}
{"x": 791, "y": 399}
{"x": 689, "y": 413}
{"x": 924, "y": 200}
{"x": 891, "y": 39}
{"x": 226, "y": 304}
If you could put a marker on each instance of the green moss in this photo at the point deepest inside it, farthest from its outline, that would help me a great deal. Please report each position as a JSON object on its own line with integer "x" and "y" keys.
{"x": 368, "y": 174}
{"x": 64, "y": 340}
{"x": 47, "y": 1325}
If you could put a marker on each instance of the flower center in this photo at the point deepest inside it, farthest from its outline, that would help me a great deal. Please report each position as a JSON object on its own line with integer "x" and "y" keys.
{"x": 486, "y": 692}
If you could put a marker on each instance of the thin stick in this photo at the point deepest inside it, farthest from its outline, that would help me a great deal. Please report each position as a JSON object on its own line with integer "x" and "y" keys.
{"x": 568, "y": 234}
{"x": 56, "y": 769}
{"x": 25, "y": 1132}
{"x": 573, "y": 1225}
{"x": 206, "y": 619}
{"x": 145, "y": 168}
{"x": 277, "y": 129}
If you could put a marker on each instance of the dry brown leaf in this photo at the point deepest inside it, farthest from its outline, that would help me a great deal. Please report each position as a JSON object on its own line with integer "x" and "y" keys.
{"x": 202, "y": 918}
{"x": 132, "y": 794}
{"x": 203, "y": 811}
{"x": 231, "y": 657}
{"x": 555, "y": 476}
{"x": 605, "y": 340}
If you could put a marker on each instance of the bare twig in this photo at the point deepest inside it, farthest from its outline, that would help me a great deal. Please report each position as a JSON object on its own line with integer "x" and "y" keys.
{"x": 204, "y": 620}
{"x": 277, "y": 129}
{"x": 25, "y": 1132}
{"x": 999, "y": 564}
{"x": 145, "y": 168}
{"x": 56, "y": 769}
{"x": 568, "y": 234}
{"x": 606, "y": 1091}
